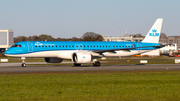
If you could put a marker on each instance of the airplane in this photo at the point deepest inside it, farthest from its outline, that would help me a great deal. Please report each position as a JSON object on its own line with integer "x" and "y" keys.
{"x": 81, "y": 52}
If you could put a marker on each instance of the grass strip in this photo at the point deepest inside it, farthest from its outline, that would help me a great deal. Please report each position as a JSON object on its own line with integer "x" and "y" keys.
{"x": 89, "y": 86}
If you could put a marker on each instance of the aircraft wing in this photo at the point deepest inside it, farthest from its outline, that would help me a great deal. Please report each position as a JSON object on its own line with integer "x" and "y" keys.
{"x": 125, "y": 49}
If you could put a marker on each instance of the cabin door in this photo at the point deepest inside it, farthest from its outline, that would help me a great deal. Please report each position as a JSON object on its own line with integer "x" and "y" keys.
{"x": 30, "y": 48}
{"x": 139, "y": 45}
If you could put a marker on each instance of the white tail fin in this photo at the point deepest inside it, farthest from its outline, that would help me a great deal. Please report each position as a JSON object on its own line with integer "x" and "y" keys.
{"x": 154, "y": 33}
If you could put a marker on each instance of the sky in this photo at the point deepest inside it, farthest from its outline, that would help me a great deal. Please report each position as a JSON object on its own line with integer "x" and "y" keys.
{"x": 73, "y": 18}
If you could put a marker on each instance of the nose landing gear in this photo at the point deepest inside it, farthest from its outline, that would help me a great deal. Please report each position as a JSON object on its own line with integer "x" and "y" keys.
{"x": 23, "y": 62}
{"x": 23, "y": 65}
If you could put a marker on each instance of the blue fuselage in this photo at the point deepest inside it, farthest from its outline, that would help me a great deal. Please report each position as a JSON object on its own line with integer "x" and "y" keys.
{"x": 27, "y": 47}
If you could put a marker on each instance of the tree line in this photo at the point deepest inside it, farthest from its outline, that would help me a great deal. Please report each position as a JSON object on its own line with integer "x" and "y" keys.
{"x": 88, "y": 36}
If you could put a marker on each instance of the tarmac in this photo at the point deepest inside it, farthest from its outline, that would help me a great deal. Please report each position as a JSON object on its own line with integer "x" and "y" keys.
{"x": 16, "y": 67}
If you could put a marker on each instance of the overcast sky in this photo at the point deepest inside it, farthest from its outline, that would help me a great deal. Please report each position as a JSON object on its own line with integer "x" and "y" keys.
{"x": 73, "y": 18}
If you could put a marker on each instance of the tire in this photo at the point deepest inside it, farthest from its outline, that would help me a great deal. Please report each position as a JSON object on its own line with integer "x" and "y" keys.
{"x": 77, "y": 64}
{"x": 97, "y": 64}
{"x": 23, "y": 65}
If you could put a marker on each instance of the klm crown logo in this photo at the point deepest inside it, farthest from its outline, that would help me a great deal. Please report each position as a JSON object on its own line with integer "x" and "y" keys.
{"x": 154, "y": 30}
{"x": 154, "y": 33}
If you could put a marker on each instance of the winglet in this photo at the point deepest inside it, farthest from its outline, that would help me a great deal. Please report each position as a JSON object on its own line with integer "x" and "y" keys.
{"x": 154, "y": 33}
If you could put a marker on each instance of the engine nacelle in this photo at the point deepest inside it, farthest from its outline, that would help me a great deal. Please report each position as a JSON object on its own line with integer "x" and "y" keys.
{"x": 53, "y": 60}
{"x": 81, "y": 57}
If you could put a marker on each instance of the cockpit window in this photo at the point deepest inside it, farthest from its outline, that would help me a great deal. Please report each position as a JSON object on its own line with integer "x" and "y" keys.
{"x": 16, "y": 46}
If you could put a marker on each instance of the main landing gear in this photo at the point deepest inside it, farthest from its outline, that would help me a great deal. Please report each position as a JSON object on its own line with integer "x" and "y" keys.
{"x": 96, "y": 64}
{"x": 77, "y": 64}
{"x": 23, "y": 62}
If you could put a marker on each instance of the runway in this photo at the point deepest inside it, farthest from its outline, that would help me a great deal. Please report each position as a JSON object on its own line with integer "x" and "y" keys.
{"x": 16, "y": 67}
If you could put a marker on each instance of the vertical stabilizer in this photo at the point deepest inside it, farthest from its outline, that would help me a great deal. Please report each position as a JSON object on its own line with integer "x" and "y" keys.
{"x": 154, "y": 33}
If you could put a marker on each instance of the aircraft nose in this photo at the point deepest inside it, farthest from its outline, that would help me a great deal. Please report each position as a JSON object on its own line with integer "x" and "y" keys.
{"x": 6, "y": 52}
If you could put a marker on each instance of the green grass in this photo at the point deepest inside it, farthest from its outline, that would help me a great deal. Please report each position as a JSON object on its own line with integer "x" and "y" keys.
{"x": 92, "y": 86}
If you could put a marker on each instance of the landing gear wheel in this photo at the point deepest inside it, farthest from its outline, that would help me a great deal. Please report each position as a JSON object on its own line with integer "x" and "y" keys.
{"x": 77, "y": 64}
{"x": 97, "y": 64}
{"x": 23, "y": 61}
{"x": 23, "y": 65}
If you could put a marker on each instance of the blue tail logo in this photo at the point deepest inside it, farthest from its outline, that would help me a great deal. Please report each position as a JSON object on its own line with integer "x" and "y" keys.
{"x": 154, "y": 33}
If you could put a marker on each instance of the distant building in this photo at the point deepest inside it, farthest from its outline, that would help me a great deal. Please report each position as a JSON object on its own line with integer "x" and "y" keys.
{"x": 6, "y": 39}
{"x": 171, "y": 40}
{"x": 169, "y": 49}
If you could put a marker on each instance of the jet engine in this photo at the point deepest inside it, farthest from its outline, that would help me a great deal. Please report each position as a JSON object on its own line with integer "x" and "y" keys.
{"x": 81, "y": 57}
{"x": 53, "y": 60}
